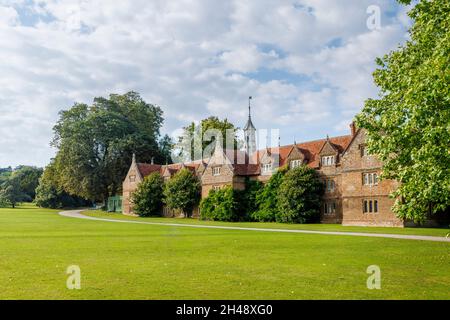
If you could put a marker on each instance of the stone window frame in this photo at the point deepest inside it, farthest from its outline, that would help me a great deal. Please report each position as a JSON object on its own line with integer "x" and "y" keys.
{"x": 216, "y": 188}
{"x": 370, "y": 206}
{"x": 328, "y": 161}
{"x": 132, "y": 178}
{"x": 216, "y": 171}
{"x": 295, "y": 163}
{"x": 329, "y": 208}
{"x": 330, "y": 185}
{"x": 370, "y": 179}
{"x": 363, "y": 150}
{"x": 267, "y": 167}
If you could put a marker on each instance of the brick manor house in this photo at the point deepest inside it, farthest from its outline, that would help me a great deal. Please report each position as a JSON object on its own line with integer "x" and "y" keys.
{"x": 354, "y": 195}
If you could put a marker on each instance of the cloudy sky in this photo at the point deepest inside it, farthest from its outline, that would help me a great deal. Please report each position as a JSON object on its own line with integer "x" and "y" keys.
{"x": 307, "y": 63}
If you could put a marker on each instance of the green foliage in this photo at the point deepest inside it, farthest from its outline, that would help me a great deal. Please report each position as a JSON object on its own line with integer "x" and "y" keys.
{"x": 267, "y": 198}
{"x": 220, "y": 205}
{"x": 147, "y": 199}
{"x": 5, "y": 173}
{"x": 50, "y": 195}
{"x": 299, "y": 196}
{"x": 408, "y": 127}
{"x": 247, "y": 199}
{"x": 194, "y": 142}
{"x": 182, "y": 192}
{"x": 11, "y": 193}
{"x": 28, "y": 179}
{"x": 95, "y": 143}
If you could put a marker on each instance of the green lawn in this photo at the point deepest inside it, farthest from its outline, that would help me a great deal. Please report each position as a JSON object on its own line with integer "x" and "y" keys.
{"x": 438, "y": 232}
{"x": 132, "y": 261}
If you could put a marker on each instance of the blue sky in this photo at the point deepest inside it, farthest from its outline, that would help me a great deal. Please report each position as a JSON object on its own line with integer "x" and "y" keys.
{"x": 307, "y": 63}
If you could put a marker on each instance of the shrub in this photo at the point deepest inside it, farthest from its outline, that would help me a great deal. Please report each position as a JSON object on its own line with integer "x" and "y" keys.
{"x": 148, "y": 197}
{"x": 182, "y": 192}
{"x": 220, "y": 205}
{"x": 246, "y": 199}
{"x": 299, "y": 196}
{"x": 266, "y": 198}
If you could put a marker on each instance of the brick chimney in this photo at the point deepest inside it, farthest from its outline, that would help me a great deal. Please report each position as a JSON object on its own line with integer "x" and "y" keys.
{"x": 353, "y": 128}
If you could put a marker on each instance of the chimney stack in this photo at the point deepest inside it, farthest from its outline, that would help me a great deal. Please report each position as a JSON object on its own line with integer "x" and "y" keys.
{"x": 353, "y": 128}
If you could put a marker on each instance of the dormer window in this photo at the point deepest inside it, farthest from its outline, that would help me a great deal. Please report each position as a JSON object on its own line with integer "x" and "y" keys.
{"x": 216, "y": 171}
{"x": 296, "y": 164}
{"x": 363, "y": 150}
{"x": 267, "y": 168}
{"x": 328, "y": 160}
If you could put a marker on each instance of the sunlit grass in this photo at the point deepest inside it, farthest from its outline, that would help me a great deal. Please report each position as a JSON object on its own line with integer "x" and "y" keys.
{"x": 134, "y": 261}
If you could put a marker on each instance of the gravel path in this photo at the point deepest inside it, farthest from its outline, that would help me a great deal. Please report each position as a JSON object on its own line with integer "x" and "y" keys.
{"x": 77, "y": 214}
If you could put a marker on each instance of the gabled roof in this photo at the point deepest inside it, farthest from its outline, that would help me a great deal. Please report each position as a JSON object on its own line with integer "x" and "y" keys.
{"x": 147, "y": 169}
{"x": 311, "y": 149}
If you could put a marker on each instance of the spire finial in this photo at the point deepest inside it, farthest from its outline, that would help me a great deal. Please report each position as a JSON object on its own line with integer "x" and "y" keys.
{"x": 153, "y": 160}
{"x": 134, "y": 158}
{"x": 249, "y": 107}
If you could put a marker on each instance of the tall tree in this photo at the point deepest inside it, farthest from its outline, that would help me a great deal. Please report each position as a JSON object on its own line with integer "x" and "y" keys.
{"x": 11, "y": 193}
{"x": 198, "y": 140}
{"x": 299, "y": 196}
{"x": 148, "y": 198}
{"x": 182, "y": 192}
{"x": 28, "y": 179}
{"x": 266, "y": 198}
{"x": 408, "y": 127}
{"x": 95, "y": 143}
{"x": 49, "y": 194}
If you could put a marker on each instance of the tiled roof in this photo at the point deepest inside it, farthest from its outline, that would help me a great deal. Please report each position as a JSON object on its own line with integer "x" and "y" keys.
{"x": 310, "y": 149}
{"x": 146, "y": 169}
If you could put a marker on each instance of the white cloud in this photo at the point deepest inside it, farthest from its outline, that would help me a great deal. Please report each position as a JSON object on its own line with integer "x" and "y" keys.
{"x": 191, "y": 57}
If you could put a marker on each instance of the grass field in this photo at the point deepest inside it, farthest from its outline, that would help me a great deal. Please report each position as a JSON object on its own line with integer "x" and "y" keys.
{"x": 132, "y": 261}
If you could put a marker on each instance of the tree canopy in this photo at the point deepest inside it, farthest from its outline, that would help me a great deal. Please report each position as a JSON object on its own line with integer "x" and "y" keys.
{"x": 198, "y": 140}
{"x": 147, "y": 199}
{"x": 95, "y": 143}
{"x": 266, "y": 198}
{"x": 49, "y": 194}
{"x": 408, "y": 126}
{"x": 182, "y": 192}
{"x": 299, "y": 196}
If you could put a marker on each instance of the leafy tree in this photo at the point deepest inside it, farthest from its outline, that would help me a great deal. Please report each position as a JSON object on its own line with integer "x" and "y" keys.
{"x": 220, "y": 205}
{"x": 195, "y": 141}
{"x": 11, "y": 193}
{"x": 267, "y": 198}
{"x": 299, "y": 196}
{"x": 147, "y": 199}
{"x": 166, "y": 146}
{"x": 247, "y": 199}
{"x": 408, "y": 125}
{"x": 50, "y": 195}
{"x": 95, "y": 143}
{"x": 5, "y": 173}
{"x": 182, "y": 192}
{"x": 28, "y": 179}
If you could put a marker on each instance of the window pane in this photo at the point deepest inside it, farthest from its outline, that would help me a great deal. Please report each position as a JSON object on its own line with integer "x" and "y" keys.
{"x": 365, "y": 206}
{"x": 370, "y": 206}
{"x": 375, "y": 203}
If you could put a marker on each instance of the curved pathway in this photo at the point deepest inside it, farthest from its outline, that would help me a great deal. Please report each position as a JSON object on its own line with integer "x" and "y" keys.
{"x": 77, "y": 214}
